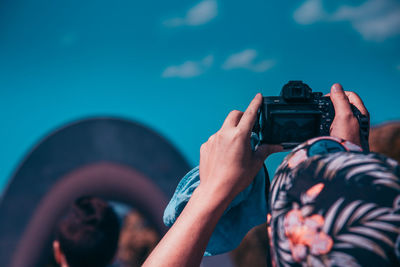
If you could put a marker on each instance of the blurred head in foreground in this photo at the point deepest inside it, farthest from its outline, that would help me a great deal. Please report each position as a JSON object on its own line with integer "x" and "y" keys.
{"x": 335, "y": 209}
{"x": 87, "y": 235}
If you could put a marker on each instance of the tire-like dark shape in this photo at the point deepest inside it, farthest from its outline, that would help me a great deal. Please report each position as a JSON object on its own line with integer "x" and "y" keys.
{"x": 107, "y": 157}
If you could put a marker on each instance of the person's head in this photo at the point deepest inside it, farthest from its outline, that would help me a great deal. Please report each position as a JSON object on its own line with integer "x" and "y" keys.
{"x": 335, "y": 209}
{"x": 385, "y": 139}
{"x": 87, "y": 235}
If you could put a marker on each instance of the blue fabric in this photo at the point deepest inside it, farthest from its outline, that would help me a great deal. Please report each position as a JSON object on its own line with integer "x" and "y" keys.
{"x": 247, "y": 210}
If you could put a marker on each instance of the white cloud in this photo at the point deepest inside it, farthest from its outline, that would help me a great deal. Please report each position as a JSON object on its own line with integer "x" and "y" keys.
{"x": 247, "y": 60}
{"x": 189, "y": 69}
{"x": 310, "y": 12}
{"x": 200, "y": 14}
{"x": 241, "y": 59}
{"x": 375, "y": 20}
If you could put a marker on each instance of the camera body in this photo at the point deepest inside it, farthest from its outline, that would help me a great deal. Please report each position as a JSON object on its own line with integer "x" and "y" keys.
{"x": 299, "y": 114}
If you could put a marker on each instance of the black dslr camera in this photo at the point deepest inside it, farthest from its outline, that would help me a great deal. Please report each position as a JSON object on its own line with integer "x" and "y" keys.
{"x": 299, "y": 114}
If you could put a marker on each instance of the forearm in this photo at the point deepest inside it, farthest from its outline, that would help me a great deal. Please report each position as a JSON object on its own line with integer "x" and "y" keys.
{"x": 185, "y": 243}
{"x": 227, "y": 166}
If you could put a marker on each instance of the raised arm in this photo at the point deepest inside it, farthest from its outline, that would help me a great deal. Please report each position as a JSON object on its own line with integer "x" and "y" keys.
{"x": 227, "y": 166}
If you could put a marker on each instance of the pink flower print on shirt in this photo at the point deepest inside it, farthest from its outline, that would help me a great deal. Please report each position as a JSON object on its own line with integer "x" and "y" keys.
{"x": 305, "y": 234}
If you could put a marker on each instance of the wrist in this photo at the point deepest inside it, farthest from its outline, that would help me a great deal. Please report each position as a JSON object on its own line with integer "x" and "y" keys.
{"x": 211, "y": 198}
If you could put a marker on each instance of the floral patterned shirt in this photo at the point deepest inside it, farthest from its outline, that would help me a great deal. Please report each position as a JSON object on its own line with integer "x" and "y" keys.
{"x": 335, "y": 209}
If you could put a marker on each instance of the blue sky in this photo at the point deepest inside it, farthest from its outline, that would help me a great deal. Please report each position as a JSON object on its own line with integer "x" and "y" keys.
{"x": 179, "y": 67}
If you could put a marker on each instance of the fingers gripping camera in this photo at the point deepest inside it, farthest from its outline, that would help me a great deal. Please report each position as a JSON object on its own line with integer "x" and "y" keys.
{"x": 299, "y": 114}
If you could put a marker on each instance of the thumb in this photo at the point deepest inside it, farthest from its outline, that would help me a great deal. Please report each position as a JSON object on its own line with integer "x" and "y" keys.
{"x": 340, "y": 101}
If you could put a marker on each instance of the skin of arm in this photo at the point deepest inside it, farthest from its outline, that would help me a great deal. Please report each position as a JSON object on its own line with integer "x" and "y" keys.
{"x": 227, "y": 166}
{"x": 186, "y": 241}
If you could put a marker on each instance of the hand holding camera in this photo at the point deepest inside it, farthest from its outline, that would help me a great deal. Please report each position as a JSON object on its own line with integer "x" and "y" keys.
{"x": 227, "y": 162}
{"x": 299, "y": 114}
{"x": 349, "y": 124}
